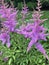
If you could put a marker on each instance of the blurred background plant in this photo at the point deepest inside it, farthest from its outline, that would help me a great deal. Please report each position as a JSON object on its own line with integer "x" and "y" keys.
{"x": 30, "y": 3}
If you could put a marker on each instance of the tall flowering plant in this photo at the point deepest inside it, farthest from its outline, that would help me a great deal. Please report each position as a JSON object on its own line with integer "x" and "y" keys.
{"x": 9, "y": 24}
{"x": 24, "y": 11}
{"x": 35, "y": 31}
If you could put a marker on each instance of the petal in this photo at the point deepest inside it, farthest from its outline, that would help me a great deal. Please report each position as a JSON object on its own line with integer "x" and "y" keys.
{"x": 8, "y": 44}
{"x": 3, "y": 41}
{"x": 30, "y": 45}
{"x": 8, "y": 41}
{"x": 41, "y": 49}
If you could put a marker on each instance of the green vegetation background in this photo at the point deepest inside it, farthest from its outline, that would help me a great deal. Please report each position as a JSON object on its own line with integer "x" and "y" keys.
{"x": 30, "y": 3}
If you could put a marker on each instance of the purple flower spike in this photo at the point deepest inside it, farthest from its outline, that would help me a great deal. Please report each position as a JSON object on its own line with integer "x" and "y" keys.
{"x": 9, "y": 24}
{"x": 41, "y": 49}
{"x": 30, "y": 45}
{"x": 5, "y": 38}
{"x": 24, "y": 12}
{"x": 35, "y": 31}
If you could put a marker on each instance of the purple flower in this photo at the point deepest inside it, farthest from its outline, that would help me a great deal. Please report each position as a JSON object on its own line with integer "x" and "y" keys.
{"x": 5, "y": 59}
{"x": 9, "y": 24}
{"x": 5, "y": 38}
{"x": 8, "y": 13}
{"x": 35, "y": 32}
{"x": 24, "y": 12}
{"x": 10, "y": 21}
{"x": 41, "y": 49}
{"x": 10, "y": 17}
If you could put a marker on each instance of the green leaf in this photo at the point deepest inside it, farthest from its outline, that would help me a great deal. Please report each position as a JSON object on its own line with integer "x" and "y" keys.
{"x": 10, "y": 61}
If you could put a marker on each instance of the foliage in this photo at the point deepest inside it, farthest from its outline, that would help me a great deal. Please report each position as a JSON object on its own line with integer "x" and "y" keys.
{"x": 31, "y": 4}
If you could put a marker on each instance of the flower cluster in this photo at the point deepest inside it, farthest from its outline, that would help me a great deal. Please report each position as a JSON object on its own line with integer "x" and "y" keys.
{"x": 9, "y": 24}
{"x": 24, "y": 11}
{"x": 35, "y": 31}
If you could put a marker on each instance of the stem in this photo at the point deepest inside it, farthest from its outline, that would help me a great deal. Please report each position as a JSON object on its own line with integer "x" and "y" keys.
{"x": 24, "y": 3}
{"x": 11, "y": 3}
{"x": 46, "y": 61}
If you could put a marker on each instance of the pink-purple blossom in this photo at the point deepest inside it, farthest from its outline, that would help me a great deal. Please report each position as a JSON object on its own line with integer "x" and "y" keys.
{"x": 9, "y": 24}
{"x": 24, "y": 11}
{"x": 35, "y": 31}
{"x": 5, "y": 38}
{"x": 5, "y": 59}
